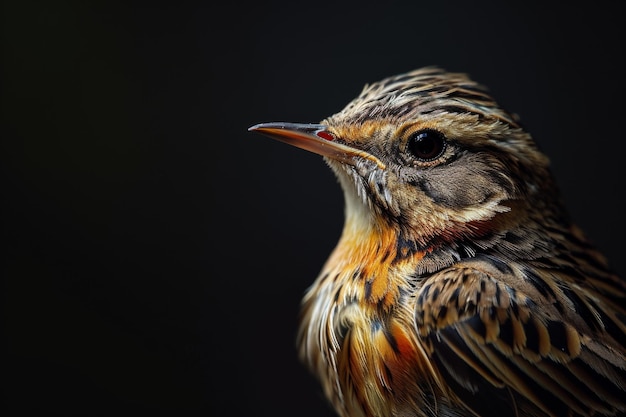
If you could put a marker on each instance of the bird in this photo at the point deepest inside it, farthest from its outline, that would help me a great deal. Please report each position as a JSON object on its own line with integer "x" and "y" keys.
{"x": 459, "y": 285}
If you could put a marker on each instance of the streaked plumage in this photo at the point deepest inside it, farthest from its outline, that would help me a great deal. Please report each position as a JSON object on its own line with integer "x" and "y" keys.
{"x": 459, "y": 287}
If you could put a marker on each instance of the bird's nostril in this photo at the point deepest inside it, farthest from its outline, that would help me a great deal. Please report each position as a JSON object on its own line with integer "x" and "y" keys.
{"x": 325, "y": 135}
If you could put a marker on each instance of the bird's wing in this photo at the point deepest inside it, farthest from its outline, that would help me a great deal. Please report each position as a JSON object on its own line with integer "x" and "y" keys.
{"x": 507, "y": 340}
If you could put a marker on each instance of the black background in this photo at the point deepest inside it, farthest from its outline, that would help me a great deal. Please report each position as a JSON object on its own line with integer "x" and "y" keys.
{"x": 157, "y": 251}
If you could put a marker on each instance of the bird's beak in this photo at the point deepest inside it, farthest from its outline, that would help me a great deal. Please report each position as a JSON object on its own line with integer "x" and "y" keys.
{"x": 314, "y": 138}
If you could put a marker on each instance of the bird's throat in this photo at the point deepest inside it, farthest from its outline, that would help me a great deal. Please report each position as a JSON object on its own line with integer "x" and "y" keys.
{"x": 374, "y": 260}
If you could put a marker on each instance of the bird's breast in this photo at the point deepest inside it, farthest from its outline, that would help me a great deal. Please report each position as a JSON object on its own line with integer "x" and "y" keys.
{"x": 357, "y": 327}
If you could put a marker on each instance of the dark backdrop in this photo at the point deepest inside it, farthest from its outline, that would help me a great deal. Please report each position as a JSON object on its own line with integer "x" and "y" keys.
{"x": 157, "y": 251}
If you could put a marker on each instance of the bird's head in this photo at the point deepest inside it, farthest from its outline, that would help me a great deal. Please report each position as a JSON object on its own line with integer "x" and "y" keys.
{"x": 428, "y": 154}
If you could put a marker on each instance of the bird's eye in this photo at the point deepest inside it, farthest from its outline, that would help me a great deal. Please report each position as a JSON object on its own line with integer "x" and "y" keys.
{"x": 426, "y": 145}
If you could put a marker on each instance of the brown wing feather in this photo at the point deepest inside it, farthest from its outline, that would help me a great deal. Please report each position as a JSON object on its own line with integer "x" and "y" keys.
{"x": 491, "y": 326}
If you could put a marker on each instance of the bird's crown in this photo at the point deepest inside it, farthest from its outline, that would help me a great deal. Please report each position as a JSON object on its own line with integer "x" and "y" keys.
{"x": 422, "y": 91}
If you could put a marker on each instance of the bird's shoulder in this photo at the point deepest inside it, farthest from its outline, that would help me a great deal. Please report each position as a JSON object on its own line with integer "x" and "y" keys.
{"x": 547, "y": 334}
